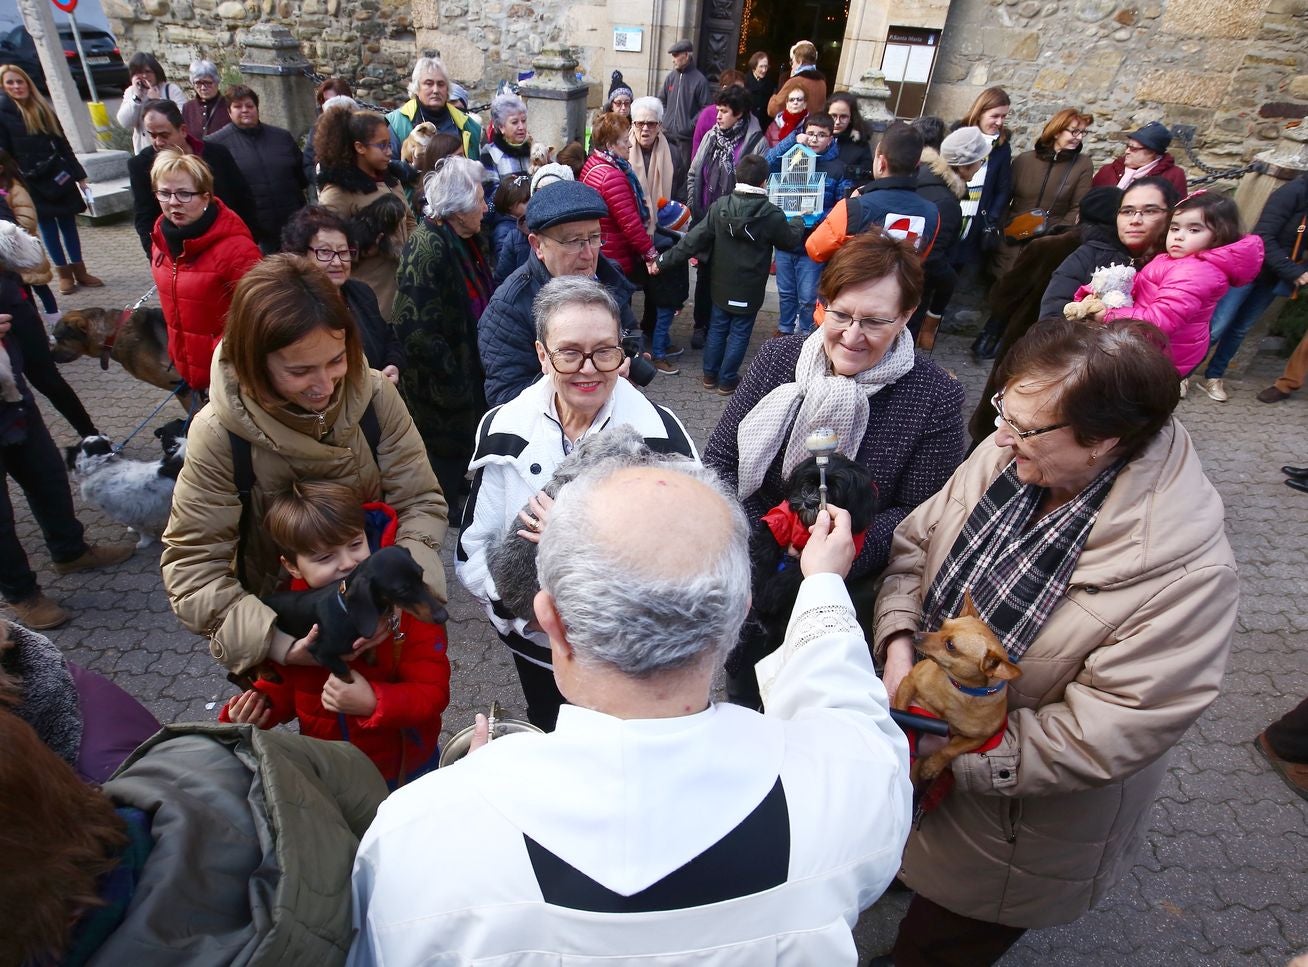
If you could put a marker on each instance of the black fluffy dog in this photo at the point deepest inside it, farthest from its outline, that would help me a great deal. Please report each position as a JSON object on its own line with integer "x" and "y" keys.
{"x": 351, "y": 608}
{"x": 776, "y": 574}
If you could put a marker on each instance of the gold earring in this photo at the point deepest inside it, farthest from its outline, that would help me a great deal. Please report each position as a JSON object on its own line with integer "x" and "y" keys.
{"x": 1094, "y": 455}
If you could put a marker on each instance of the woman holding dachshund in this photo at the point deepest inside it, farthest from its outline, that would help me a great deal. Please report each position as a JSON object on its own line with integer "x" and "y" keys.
{"x": 1092, "y": 544}
{"x": 291, "y": 398}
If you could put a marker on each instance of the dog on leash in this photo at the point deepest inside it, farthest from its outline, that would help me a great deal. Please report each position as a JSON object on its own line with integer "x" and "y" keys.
{"x": 141, "y": 346}
{"x": 775, "y": 543}
{"x": 962, "y": 680}
{"x": 351, "y": 608}
{"x": 138, "y": 493}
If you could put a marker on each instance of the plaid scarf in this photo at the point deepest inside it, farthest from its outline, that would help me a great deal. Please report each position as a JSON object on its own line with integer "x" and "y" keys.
{"x": 1017, "y": 575}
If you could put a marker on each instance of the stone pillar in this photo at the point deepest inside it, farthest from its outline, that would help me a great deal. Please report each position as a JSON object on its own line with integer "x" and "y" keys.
{"x": 39, "y": 20}
{"x": 556, "y": 100}
{"x": 872, "y": 95}
{"x": 1284, "y": 162}
{"x": 273, "y": 67}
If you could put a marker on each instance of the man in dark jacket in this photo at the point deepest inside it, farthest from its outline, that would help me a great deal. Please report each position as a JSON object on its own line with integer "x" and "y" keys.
{"x": 739, "y": 231}
{"x": 271, "y": 162}
{"x": 685, "y": 92}
{"x": 564, "y": 234}
{"x": 890, "y": 203}
{"x": 166, "y": 129}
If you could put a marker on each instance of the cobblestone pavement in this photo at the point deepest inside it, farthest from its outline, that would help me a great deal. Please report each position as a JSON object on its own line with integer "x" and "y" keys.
{"x": 1222, "y": 877}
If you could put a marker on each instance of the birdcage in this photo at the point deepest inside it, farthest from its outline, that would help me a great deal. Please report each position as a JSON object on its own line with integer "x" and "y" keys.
{"x": 798, "y": 189}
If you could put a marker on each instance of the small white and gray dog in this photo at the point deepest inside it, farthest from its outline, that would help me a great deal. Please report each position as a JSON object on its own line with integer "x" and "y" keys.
{"x": 138, "y": 493}
{"x": 19, "y": 252}
{"x": 512, "y": 559}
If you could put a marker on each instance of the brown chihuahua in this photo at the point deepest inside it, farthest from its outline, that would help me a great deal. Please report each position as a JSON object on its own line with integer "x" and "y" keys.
{"x": 963, "y": 682}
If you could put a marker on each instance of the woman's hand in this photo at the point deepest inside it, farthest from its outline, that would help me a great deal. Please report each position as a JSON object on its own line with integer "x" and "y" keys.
{"x": 392, "y": 373}
{"x": 349, "y": 698}
{"x": 899, "y": 662}
{"x": 652, "y": 268}
{"x": 249, "y": 708}
{"x": 535, "y": 516}
{"x": 830, "y": 547}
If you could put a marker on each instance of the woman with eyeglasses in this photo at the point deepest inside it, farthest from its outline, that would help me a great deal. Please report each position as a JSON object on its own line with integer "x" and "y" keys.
{"x": 354, "y": 171}
{"x": 895, "y": 412}
{"x": 1049, "y": 182}
{"x": 1089, "y": 540}
{"x": 444, "y": 284}
{"x": 199, "y": 250}
{"x": 520, "y": 443}
{"x": 317, "y": 233}
{"x": 627, "y": 238}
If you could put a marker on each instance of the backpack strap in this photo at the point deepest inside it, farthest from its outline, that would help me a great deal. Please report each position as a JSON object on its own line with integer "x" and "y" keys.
{"x": 371, "y": 428}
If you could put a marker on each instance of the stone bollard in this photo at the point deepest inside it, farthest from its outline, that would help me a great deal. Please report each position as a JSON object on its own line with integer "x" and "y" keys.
{"x": 556, "y": 100}
{"x": 872, "y": 94}
{"x": 1285, "y": 161}
{"x": 273, "y": 67}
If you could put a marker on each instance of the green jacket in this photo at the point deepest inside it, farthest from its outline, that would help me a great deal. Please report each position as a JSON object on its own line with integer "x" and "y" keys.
{"x": 254, "y": 839}
{"x": 403, "y": 120}
{"x": 738, "y": 235}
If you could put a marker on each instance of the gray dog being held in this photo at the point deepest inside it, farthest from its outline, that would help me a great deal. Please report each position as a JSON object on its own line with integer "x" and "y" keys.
{"x": 512, "y": 559}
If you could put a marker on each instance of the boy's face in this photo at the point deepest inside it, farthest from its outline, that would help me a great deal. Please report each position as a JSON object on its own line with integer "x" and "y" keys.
{"x": 817, "y": 138}
{"x": 331, "y": 564}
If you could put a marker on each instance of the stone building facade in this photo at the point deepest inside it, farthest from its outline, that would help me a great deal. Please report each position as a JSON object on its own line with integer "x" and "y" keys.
{"x": 1237, "y": 70}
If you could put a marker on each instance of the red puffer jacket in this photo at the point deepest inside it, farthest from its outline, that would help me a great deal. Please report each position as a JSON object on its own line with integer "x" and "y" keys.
{"x": 410, "y": 677}
{"x": 196, "y": 289}
{"x": 626, "y": 240}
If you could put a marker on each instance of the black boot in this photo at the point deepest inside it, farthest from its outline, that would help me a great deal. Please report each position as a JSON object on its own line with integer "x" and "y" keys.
{"x": 987, "y": 341}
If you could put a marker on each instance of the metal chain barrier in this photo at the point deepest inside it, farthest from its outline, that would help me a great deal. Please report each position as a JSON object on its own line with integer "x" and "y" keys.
{"x": 1185, "y": 136}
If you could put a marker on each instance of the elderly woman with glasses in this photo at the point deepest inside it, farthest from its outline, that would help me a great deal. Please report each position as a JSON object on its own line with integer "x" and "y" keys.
{"x": 1050, "y": 180}
{"x": 206, "y": 113}
{"x": 895, "y": 412}
{"x": 444, "y": 284}
{"x": 319, "y": 234}
{"x": 354, "y": 173}
{"x": 1088, "y": 538}
{"x": 519, "y": 445}
{"x": 199, "y": 249}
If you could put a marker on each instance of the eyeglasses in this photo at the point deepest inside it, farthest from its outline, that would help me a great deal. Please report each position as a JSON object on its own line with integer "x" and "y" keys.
{"x": 997, "y": 401}
{"x": 1149, "y": 211}
{"x": 574, "y": 246}
{"x": 839, "y": 321}
{"x": 568, "y": 361}
{"x": 327, "y": 254}
{"x": 204, "y": 82}
{"x": 380, "y": 145}
{"x": 1078, "y": 132}
{"x": 645, "y": 124}
{"x": 796, "y": 99}
{"x": 1136, "y": 147}
{"x": 183, "y": 197}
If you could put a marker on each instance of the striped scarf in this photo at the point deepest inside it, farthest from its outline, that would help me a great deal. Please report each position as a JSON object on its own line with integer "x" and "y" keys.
{"x": 1016, "y": 574}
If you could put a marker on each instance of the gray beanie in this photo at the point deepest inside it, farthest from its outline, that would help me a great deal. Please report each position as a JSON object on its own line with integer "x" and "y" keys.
{"x": 964, "y": 147}
{"x": 549, "y": 173}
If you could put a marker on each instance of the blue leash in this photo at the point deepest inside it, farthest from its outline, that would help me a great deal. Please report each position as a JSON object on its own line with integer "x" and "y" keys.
{"x": 118, "y": 448}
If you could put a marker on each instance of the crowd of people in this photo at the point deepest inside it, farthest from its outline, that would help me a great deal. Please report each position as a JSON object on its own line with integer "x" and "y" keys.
{"x": 444, "y": 339}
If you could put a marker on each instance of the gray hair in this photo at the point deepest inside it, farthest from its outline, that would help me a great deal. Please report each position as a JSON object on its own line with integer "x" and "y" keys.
{"x": 567, "y": 291}
{"x": 651, "y": 104}
{"x": 203, "y": 68}
{"x": 453, "y": 186}
{"x": 617, "y": 614}
{"x": 423, "y": 66}
{"x": 340, "y": 100}
{"x": 505, "y": 105}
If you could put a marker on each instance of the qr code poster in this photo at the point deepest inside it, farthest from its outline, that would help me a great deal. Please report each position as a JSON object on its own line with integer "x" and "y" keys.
{"x": 628, "y": 39}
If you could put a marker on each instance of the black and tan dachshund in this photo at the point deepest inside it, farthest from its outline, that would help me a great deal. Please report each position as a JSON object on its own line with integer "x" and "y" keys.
{"x": 351, "y": 608}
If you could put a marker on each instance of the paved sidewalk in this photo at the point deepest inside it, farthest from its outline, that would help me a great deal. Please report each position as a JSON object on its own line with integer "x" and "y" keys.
{"x": 1222, "y": 877}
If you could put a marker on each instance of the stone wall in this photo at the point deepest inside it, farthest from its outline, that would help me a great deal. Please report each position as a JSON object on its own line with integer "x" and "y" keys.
{"x": 1235, "y": 69}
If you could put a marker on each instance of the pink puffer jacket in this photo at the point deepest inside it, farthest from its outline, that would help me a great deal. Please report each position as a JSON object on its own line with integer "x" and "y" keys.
{"x": 1179, "y": 295}
{"x": 626, "y": 239}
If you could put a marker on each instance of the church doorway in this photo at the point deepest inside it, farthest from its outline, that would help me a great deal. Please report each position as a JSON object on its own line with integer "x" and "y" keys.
{"x": 775, "y": 25}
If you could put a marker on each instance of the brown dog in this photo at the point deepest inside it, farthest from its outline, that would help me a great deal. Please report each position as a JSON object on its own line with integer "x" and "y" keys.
{"x": 140, "y": 346}
{"x": 963, "y": 654}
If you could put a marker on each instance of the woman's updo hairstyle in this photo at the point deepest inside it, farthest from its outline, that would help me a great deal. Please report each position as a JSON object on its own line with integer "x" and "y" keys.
{"x": 870, "y": 257}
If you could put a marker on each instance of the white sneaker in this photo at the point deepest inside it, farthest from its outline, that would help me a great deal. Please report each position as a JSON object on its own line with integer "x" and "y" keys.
{"x": 1185, "y": 385}
{"x": 1214, "y": 388}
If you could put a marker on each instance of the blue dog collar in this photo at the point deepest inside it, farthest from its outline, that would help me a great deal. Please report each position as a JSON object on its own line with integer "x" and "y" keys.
{"x": 978, "y": 692}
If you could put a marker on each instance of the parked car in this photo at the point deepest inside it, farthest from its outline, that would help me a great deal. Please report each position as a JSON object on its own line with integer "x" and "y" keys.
{"x": 102, "y": 56}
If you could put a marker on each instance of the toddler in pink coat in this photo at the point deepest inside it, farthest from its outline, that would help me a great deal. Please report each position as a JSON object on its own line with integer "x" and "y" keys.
{"x": 1178, "y": 290}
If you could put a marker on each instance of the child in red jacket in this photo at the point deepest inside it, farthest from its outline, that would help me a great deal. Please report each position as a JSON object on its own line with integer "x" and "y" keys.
{"x": 392, "y": 709}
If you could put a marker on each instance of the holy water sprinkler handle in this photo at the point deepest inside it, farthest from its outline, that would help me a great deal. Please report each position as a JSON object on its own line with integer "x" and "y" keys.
{"x": 821, "y": 443}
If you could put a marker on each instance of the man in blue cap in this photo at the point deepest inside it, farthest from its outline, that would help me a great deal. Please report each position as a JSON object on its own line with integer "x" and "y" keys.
{"x": 564, "y": 234}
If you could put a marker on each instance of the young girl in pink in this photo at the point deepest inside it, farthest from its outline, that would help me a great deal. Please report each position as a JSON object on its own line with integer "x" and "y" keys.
{"x": 1177, "y": 291}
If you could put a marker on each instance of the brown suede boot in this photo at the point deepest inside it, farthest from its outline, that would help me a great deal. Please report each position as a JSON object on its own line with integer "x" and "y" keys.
{"x": 84, "y": 277}
{"x": 96, "y": 555}
{"x": 39, "y": 613}
{"x": 66, "y": 281}
{"x": 926, "y": 337}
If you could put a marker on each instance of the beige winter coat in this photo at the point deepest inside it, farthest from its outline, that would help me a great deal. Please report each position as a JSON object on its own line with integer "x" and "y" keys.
{"x": 1037, "y": 831}
{"x": 24, "y": 209}
{"x": 202, "y": 536}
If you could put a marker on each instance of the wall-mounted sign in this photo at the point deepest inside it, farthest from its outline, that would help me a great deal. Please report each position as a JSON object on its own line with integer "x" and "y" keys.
{"x": 628, "y": 39}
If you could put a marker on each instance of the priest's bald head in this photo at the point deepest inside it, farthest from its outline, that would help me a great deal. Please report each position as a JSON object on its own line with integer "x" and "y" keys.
{"x": 644, "y": 575}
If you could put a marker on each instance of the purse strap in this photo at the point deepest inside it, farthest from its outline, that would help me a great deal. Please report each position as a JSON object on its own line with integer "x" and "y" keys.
{"x": 1061, "y": 185}
{"x": 1298, "y": 239}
